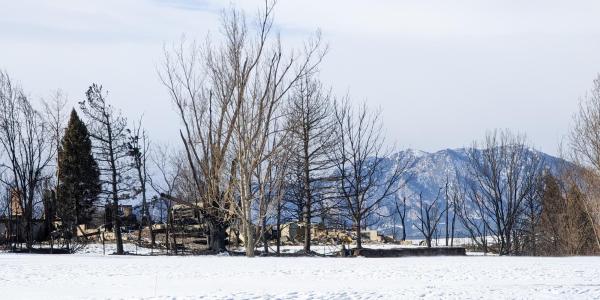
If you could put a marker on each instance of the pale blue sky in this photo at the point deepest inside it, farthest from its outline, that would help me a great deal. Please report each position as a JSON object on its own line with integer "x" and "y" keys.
{"x": 443, "y": 72}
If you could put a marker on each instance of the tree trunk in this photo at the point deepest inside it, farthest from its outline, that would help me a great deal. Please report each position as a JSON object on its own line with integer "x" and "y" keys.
{"x": 28, "y": 229}
{"x": 403, "y": 230}
{"x": 278, "y": 230}
{"x": 168, "y": 226}
{"x": 307, "y": 228}
{"x": 358, "y": 235}
{"x": 308, "y": 198}
{"x": 278, "y": 224}
{"x": 533, "y": 244}
{"x": 117, "y": 225}
{"x": 249, "y": 239}
{"x": 264, "y": 235}
{"x": 217, "y": 236}
{"x": 453, "y": 226}
{"x": 447, "y": 221}
{"x": 485, "y": 248}
{"x": 115, "y": 192}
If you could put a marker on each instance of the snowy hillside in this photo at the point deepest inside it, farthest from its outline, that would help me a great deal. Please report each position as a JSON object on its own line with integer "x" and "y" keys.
{"x": 428, "y": 173}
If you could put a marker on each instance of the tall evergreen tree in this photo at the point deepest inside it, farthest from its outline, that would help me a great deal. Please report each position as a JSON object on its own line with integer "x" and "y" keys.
{"x": 79, "y": 175}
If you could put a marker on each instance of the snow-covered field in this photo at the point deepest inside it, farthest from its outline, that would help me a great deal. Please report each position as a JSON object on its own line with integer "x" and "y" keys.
{"x": 93, "y": 276}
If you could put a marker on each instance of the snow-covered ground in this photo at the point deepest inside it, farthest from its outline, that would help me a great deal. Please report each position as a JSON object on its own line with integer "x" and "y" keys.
{"x": 93, "y": 276}
{"x": 109, "y": 248}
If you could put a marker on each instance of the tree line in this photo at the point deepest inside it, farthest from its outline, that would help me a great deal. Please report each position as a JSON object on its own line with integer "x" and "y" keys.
{"x": 264, "y": 142}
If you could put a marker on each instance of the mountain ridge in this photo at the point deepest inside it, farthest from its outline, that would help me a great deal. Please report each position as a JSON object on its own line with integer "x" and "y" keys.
{"x": 427, "y": 173}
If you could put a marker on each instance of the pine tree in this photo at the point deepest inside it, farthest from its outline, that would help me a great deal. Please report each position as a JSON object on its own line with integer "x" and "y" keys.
{"x": 79, "y": 176}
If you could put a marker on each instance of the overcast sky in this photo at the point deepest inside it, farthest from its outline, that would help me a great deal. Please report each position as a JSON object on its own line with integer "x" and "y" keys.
{"x": 443, "y": 72}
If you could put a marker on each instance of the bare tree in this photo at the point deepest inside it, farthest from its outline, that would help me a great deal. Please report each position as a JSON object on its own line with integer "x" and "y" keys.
{"x": 55, "y": 115}
{"x": 24, "y": 138}
{"x": 276, "y": 73}
{"x": 528, "y": 225}
{"x": 505, "y": 172}
{"x": 108, "y": 129}
{"x": 585, "y": 145}
{"x": 229, "y": 99}
{"x": 429, "y": 217}
{"x": 470, "y": 209}
{"x": 362, "y": 181}
{"x": 169, "y": 169}
{"x": 551, "y": 216}
{"x": 401, "y": 208}
{"x": 564, "y": 227}
{"x": 139, "y": 148}
{"x": 271, "y": 185}
{"x": 448, "y": 207}
{"x": 310, "y": 124}
{"x": 454, "y": 203}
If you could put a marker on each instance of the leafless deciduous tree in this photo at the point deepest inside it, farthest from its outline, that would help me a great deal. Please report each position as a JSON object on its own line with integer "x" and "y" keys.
{"x": 564, "y": 227}
{"x": 451, "y": 197}
{"x": 271, "y": 185}
{"x": 429, "y": 217}
{"x": 359, "y": 158}
{"x": 505, "y": 172}
{"x": 169, "y": 168}
{"x": 108, "y": 129}
{"x": 139, "y": 148}
{"x": 56, "y": 116}
{"x": 310, "y": 123}
{"x": 526, "y": 232}
{"x": 471, "y": 212}
{"x": 585, "y": 145}
{"x": 23, "y": 134}
{"x": 229, "y": 99}
{"x": 454, "y": 200}
{"x": 401, "y": 208}
{"x": 28, "y": 150}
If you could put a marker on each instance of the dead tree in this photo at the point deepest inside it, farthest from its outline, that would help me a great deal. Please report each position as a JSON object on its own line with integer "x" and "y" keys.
{"x": 28, "y": 150}
{"x": 447, "y": 208}
{"x": 268, "y": 85}
{"x": 401, "y": 208}
{"x": 139, "y": 147}
{"x": 450, "y": 201}
{"x": 5, "y": 209}
{"x": 310, "y": 124}
{"x": 56, "y": 119}
{"x": 505, "y": 171}
{"x": 169, "y": 169}
{"x": 108, "y": 130}
{"x": 564, "y": 227}
{"x": 360, "y": 165}
{"x": 578, "y": 188}
{"x": 429, "y": 217}
{"x": 454, "y": 202}
{"x": 228, "y": 98}
{"x": 528, "y": 226}
{"x": 271, "y": 186}
{"x": 585, "y": 147}
{"x": 294, "y": 201}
